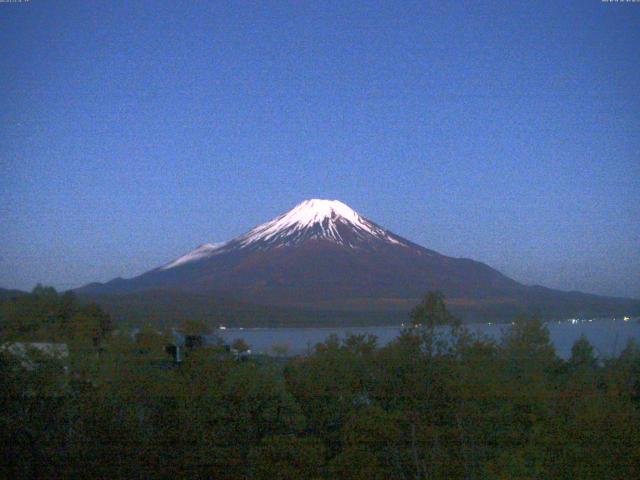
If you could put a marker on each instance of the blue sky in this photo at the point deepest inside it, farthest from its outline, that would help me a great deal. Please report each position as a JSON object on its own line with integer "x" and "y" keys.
{"x": 507, "y": 132}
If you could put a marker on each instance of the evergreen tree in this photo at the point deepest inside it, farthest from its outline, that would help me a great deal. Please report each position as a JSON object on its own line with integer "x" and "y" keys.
{"x": 582, "y": 355}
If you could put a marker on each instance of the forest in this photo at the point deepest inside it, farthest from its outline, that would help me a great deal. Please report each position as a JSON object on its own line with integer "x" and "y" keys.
{"x": 437, "y": 403}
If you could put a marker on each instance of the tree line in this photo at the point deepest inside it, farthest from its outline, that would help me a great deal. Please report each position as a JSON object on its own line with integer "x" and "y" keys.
{"x": 436, "y": 403}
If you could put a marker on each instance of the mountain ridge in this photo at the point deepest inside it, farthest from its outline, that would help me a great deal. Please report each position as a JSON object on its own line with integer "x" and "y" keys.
{"x": 324, "y": 255}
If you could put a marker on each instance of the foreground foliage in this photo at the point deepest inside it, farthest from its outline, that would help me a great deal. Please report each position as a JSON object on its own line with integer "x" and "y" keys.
{"x": 436, "y": 403}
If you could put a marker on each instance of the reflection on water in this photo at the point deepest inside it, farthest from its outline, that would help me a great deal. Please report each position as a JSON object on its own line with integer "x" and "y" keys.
{"x": 607, "y": 336}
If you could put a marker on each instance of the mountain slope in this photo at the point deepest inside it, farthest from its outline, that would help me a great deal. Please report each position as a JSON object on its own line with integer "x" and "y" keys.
{"x": 323, "y": 255}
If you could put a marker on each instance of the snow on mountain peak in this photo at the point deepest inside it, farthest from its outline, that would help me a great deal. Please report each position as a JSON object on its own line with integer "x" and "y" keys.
{"x": 316, "y": 210}
{"x": 204, "y": 250}
{"x": 315, "y": 218}
{"x": 312, "y": 219}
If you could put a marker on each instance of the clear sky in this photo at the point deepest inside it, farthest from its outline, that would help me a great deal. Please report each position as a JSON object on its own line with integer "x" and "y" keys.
{"x": 505, "y": 131}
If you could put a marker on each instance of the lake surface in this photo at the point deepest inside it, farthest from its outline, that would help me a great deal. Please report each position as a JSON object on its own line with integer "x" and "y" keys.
{"x": 608, "y": 336}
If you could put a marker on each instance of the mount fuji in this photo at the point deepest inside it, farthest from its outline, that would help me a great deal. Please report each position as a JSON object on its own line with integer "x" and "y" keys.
{"x": 324, "y": 256}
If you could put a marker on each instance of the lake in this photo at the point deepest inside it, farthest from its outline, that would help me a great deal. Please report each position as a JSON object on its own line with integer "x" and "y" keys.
{"x": 608, "y": 336}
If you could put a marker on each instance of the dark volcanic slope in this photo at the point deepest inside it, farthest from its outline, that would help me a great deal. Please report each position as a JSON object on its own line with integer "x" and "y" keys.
{"x": 324, "y": 255}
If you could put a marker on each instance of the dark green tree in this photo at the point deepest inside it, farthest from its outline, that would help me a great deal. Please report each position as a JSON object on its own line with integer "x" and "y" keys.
{"x": 240, "y": 345}
{"x": 582, "y": 356}
{"x": 286, "y": 457}
{"x": 432, "y": 312}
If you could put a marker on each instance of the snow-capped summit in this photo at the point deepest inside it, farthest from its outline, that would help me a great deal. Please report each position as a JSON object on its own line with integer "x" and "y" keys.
{"x": 317, "y": 219}
{"x": 314, "y": 219}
